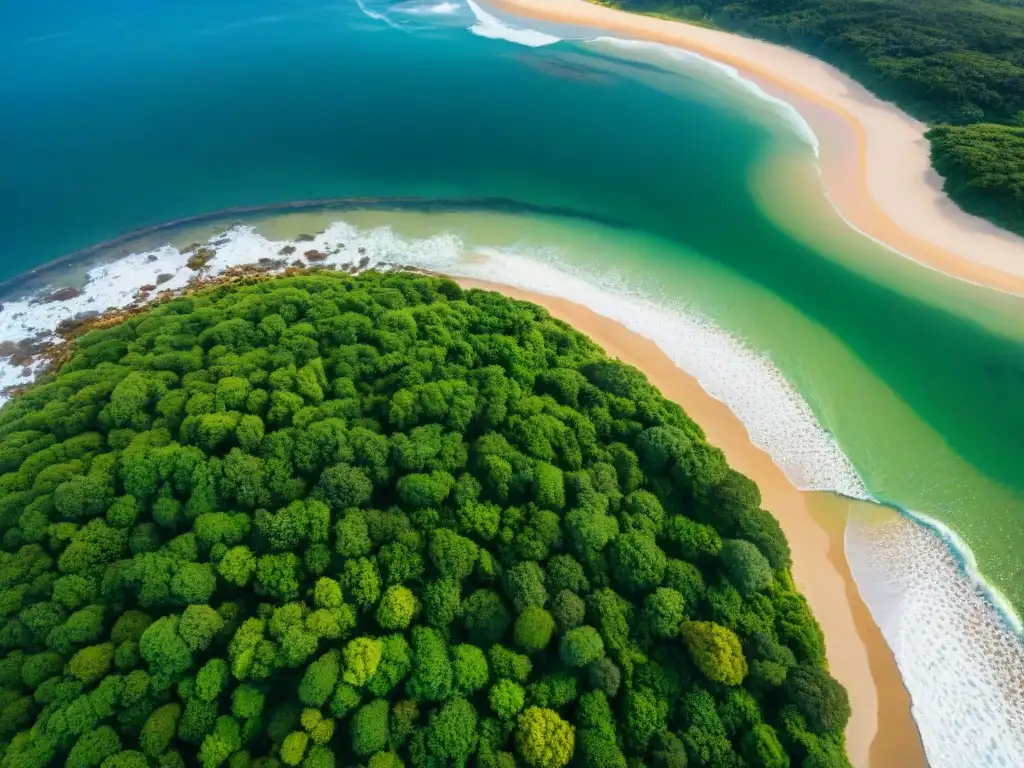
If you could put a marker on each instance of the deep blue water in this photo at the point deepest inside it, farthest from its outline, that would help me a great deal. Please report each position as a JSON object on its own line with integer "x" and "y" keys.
{"x": 131, "y": 113}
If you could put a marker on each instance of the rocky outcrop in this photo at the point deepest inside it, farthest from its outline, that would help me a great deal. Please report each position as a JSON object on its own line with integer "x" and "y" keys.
{"x": 200, "y": 258}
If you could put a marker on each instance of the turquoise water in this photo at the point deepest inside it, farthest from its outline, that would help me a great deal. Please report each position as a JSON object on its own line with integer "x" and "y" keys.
{"x": 128, "y": 114}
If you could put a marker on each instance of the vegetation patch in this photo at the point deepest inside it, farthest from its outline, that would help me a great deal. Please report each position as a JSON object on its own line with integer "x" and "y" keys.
{"x": 379, "y": 520}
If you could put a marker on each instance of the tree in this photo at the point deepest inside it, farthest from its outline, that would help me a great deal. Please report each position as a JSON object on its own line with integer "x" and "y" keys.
{"x": 432, "y": 674}
{"x": 506, "y": 663}
{"x": 198, "y": 626}
{"x": 395, "y": 665}
{"x": 470, "y": 668}
{"x": 646, "y": 715}
{"x": 544, "y": 739}
{"x": 362, "y": 656}
{"x": 165, "y": 651}
{"x": 821, "y": 700}
{"x": 93, "y": 748}
{"x": 277, "y": 576}
{"x": 715, "y": 651}
{"x": 452, "y": 733}
{"x": 763, "y": 530}
{"x": 604, "y": 676}
{"x": 485, "y": 617}
{"x": 369, "y": 729}
{"x": 639, "y": 561}
{"x": 218, "y": 746}
{"x": 321, "y": 677}
{"x": 343, "y": 486}
{"x": 159, "y": 729}
{"x": 294, "y": 747}
{"x": 506, "y": 698}
{"x": 669, "y": 751}
{"x": 237, "y": 566}
{"x": 746, "y": 567}
{"x": 442, "y": 601}
{"x": 664, "y": 611}
{"x": 247, "y": 702}
{"x": 397, "y": 608}
{"x": 581, "y": 646}
{"x": 454, "y": 556}
{"x": 524, "y": 584}
{"x": 352, "y": 535}
{"x": 362, "y": 581}
{"x": 564, "y": 572}
{"x": 533, "y": 629}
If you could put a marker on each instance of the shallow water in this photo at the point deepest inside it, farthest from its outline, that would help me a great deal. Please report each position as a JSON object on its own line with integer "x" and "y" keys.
{"x": 696, "y": 218}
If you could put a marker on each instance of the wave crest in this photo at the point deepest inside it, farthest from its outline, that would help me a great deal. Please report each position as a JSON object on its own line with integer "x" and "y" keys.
{"x": 496, "y": 29}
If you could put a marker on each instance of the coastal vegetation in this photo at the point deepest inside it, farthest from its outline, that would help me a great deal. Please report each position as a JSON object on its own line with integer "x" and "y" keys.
{"x": 384, "y": 521}
{"x": 957, "y": 64}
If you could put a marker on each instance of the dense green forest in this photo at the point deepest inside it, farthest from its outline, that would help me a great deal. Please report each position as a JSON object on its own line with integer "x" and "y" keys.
{"x": 379, "y": 520}
{"x": 956, "y": 62}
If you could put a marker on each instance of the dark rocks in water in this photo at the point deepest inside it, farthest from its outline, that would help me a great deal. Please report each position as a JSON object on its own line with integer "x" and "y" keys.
{"x": 147, "y": 287}
{"x": 288, "y": 250}
{"x": 200, "y": 258}
{"x": 151, "y": 258}
{"x": 60, "y": 294}
{"x": 298, "y": 264}
{"x": 362, "y": 250}
{"x": 316, "y": 255}
{"x": 363, "y": 262}
{"x": 266, "y": 264}
{"x": 190, "y": 248}
{"x": 66, "y": 326}
{"x": 163, "y": 277}
{"x": 304, "y": 238}
{"x": 23, "y": 353}
{"x": 220, "y": 241}
{"x": 347, "y": 266}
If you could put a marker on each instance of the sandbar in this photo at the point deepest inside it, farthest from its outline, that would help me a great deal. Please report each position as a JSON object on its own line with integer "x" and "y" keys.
{"x": 874, "y": 157}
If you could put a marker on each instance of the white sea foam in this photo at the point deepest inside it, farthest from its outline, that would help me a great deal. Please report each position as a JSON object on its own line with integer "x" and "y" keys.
{"x": 491, "y": 26}
{"x": 963, "y": 666}
{"x": 377, "y": 16}
{"x": 782, "y": 109}
{"x": 434, "y": 9}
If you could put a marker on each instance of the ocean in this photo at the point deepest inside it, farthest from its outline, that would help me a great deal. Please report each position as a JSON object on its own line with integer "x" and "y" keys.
{"x": 650, "y": 184}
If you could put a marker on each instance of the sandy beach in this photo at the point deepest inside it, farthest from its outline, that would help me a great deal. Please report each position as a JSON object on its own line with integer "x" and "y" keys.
{"x": 881, "y": 732}
{"x": 874, "y": 158}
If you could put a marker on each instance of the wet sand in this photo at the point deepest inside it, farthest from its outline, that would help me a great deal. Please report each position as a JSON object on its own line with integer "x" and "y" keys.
{"x": 881, "y": 732}
{"x": 874, "y": 157}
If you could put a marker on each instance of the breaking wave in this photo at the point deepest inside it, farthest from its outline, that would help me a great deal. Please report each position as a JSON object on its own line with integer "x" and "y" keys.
{"x": 496, "y": 29}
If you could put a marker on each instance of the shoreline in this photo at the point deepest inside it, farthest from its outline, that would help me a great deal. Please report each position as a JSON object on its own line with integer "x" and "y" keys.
{"x": 874, "y": 159}
{"x": 429, "y": 204}
{"x": 882, "y": 731}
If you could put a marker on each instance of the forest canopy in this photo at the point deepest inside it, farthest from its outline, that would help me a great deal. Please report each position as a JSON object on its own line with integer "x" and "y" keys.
{"x": 383, "y": 521}
{"x": 955, "y": 62}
